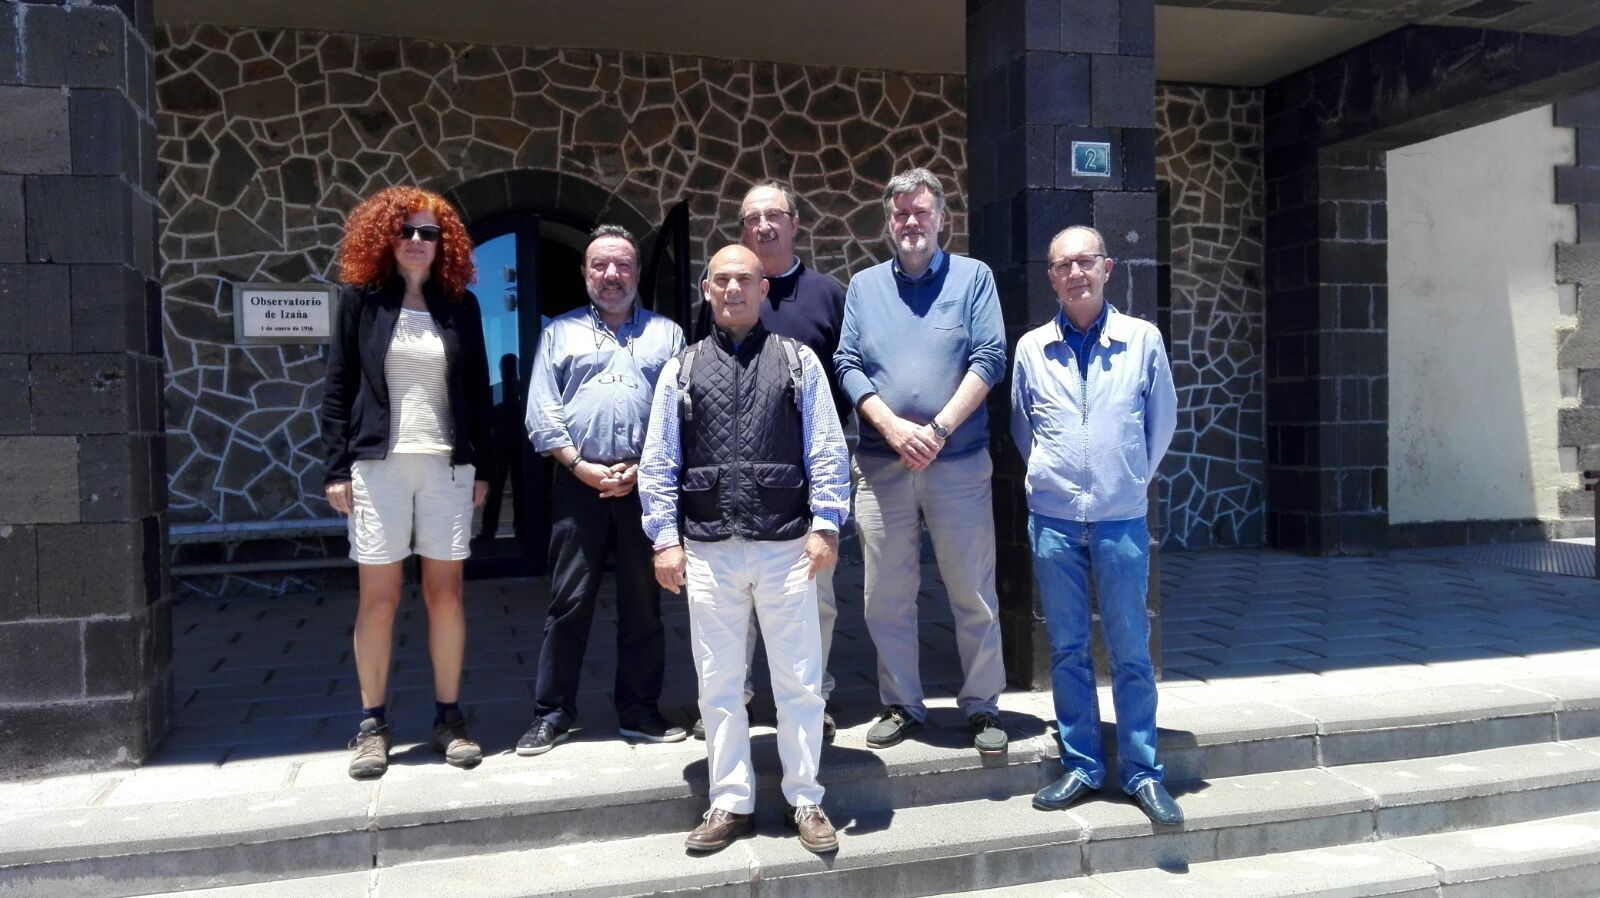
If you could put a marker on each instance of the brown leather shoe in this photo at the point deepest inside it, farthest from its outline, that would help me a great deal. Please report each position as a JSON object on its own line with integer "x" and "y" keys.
{"x": 817, "y": 834}
{"x": 717, "y": 829}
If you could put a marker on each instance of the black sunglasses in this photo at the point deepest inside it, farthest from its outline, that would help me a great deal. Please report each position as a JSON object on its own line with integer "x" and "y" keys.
{"x": 429, "y": 233}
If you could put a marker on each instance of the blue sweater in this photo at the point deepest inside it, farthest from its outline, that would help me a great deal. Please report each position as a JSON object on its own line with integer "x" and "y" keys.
{"x": 912, "y": 340}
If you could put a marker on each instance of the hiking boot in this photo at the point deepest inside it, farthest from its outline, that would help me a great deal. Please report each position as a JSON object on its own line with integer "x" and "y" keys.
{"x": 540, "y": 738}
{"x": 987, "y": 736}
{"x": 653, "y": 728}
{"x": 894, "y": 724}
{"x": 817, "y": 834}
{"x": 451, "y": 740}
{"x": 369, "y": 757}
{"x": 717, "y": 829}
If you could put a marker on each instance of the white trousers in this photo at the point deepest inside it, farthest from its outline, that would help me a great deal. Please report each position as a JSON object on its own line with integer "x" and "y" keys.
{"x": 725, "y": 581}
{"x": 827, "y": 614}
{"x": 952, "y": 498}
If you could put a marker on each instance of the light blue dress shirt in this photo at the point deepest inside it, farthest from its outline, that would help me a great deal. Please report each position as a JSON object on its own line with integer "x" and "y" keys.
{"x": 1092, "y": 442}
{"x": 590, "y": 387}
{"x": 827, "y": 458}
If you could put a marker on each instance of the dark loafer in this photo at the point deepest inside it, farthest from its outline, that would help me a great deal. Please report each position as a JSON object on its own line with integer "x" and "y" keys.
{"x": 1061, "y": 794}
{"x": 894, "y": 724}
{"x": 717, "y": 830}
{"x": 1157, "y": 804}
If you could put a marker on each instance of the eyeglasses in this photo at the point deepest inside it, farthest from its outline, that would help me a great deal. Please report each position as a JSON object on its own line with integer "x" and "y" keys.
{"x": 430, "y": 233}
{"x": 623, "y": 379}
{"x": 1084, "y": 263}
{"x": 773, "y": 216}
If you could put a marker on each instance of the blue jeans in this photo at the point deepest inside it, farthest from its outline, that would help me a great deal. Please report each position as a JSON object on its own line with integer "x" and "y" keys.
{"x": 1118, "y": 552}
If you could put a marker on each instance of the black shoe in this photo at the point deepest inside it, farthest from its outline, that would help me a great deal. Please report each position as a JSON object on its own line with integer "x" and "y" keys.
{"x": 699, "y": 729}
{"x": 1157, "y": 804}
{"x": 653, "y": 728}
{"x": 540, "y": 738}
{"x": 987, "y": 736}
{"x": 1061, "y": 794}
{"x": 894, "y": 724}
{"x": 829, "y": 728}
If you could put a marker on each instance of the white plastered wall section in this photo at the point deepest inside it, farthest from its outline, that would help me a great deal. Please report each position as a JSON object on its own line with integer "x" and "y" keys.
{"x": 1473, "y": 314}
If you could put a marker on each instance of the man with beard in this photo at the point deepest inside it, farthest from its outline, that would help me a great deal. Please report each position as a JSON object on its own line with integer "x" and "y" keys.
{"x": 922, "y": 345}
{"x": 588, "y": 405}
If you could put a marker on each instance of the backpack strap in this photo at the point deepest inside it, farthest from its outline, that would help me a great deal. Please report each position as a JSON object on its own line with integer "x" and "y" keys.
{"x": 685, "y": 375}
{"x": 791, "y": 353}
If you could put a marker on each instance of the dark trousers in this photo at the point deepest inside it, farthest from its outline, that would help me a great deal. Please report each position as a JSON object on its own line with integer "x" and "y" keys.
{"x": 583, "y": 527}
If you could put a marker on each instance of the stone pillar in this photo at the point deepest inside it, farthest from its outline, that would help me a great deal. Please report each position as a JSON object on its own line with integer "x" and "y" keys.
{"x": 1327, "y": 336}
{"x": 85, "y": 617}
{"x": 1041, "y": 75}
{"x": 1578, "y": 270}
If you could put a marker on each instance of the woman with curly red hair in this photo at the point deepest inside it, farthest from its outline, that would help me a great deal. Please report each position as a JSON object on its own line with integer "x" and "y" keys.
{"x": 405, "y": 426}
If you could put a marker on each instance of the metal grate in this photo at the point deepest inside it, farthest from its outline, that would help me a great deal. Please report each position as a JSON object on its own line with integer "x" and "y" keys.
{"x": 1574, "y": 558}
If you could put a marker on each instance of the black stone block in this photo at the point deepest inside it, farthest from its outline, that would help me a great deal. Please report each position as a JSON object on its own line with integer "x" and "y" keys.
{"x": 75, "y": 46}
{"x": 116, "y": 656}
{"x": 9, "y": 45}
{"x": 1051, "y": 88}
{"x": 15, "y": 415}
{"x": 13, "y": 229}
{"x": 1124, "y": 92}
{"x": 1138, "y": 33}
{"x": 91, "y": 569}
{"x": 73, "y": 219}
{"x": 41, "y": 661}
{"x": 1343, "y": 262}
{"x": 1127, "y": 220}
{"x": 108, "y": 309}
{"x": 35, "y": 304}
{"x": 83, "y": 393}
{"x": 37, "y": 740}
{"x": 1371, "y": 185}
{"x": 1138, "y": 159}
{"x": 1039, "y": 214}
{"x": 1578, "y": 185}
{"x": 1089, "y": 26}
{"x": 1142, "y": 298}
{"x": 105, "y": 134}
{"x": 19, "y": 573}
{"x": 114, "y": 475}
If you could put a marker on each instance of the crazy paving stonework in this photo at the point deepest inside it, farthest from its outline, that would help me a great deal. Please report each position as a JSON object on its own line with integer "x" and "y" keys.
{"x": 268, "y": 138}
{"x": 1208, "y": 154}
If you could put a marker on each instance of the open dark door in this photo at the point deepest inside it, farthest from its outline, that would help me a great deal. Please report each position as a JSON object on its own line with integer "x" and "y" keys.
{"x": 667, "y": 286}
{"x": 511, "y": 535}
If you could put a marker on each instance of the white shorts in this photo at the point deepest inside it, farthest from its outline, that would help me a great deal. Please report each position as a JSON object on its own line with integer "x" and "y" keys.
{"x": 410, "y": 503}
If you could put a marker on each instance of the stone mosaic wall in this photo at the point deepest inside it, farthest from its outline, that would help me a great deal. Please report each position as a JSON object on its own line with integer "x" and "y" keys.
{"x": 268, "y": 138}
{"x": 1208, "y": 153}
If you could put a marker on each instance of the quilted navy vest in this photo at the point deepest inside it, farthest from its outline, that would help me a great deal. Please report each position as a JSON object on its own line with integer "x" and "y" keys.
{"x": 744, "y": 468}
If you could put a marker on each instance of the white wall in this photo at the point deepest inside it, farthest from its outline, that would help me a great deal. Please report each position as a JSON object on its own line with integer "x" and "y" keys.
{"x": 1473, "y": 315}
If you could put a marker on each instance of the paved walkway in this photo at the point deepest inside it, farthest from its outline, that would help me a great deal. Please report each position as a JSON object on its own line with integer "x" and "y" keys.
{"x": 266, "y": 694}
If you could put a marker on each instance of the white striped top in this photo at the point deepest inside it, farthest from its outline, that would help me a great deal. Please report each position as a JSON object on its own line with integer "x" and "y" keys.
{"x": 419, "y": 398}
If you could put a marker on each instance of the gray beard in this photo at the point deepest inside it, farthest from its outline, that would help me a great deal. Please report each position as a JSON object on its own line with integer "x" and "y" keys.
{"x": 614, "y": 307}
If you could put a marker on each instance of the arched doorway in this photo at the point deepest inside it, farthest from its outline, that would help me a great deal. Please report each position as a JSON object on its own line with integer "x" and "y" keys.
{"x": 529, "y": 230}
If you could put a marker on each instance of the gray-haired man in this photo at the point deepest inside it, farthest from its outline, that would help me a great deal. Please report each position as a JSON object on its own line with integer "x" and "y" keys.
{"x": 922, "y": 345}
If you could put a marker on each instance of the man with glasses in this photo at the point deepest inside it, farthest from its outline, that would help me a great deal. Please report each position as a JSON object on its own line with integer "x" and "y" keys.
{"x": 1092, "y": 412}
{"x": 922, "y": 345}
{"x": 588, "y": 405}
{"x": 807, "y": 306}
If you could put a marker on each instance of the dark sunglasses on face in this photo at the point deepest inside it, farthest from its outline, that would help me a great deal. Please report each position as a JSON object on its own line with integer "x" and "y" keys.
{"x": 429, "y": 233}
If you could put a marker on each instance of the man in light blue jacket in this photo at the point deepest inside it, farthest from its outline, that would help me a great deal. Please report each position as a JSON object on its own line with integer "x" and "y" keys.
{"x": 1092, "y": 412}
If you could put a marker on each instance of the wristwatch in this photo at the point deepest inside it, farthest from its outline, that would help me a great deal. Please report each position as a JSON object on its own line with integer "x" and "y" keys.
{"x": 939, "y": 430}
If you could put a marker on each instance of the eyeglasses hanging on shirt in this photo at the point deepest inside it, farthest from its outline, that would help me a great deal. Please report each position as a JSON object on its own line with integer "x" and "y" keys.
{"x": 624, "y": 335}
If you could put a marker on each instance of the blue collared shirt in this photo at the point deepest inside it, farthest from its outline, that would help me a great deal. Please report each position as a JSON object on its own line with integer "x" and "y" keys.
{"x": 590, "y": 386}
{"x": 1080, "y": 341}
{"x": 1094, "y": 426}
{"x": 827, "y": 458}
{"x": 913, "y": 340}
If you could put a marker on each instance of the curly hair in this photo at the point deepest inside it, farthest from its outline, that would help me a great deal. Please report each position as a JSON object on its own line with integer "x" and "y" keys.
{"x": 367, "y": 254}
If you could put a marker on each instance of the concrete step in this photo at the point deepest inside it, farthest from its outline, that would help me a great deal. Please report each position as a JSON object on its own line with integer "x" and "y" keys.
{"x": 1553, "y": 857}
{"x": 889, "y": 847}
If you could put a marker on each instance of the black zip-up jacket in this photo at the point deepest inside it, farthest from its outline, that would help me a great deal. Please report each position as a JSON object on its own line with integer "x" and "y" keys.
{"x": 355, "y": 396}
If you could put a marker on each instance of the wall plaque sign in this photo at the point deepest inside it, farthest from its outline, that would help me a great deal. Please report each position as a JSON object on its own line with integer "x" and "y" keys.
{"x": 282, "y": 313}
{"x": 1091, "y": 159}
